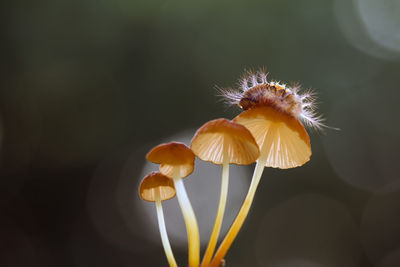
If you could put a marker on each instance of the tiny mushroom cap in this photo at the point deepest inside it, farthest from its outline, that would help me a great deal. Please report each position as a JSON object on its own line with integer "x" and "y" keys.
{"x": 222, "y": 139}
{"x": 156, "y": 185}
{"x": 173, "y": 157}
{"x": 281, "y": 137}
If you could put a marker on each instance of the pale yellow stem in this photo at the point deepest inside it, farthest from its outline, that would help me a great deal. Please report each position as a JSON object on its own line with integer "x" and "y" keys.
{"x": 244, "y": 210}
{"x": 164, "y": 236}
{"x": 220, "y": 213}
{"x": 190, "y": 220}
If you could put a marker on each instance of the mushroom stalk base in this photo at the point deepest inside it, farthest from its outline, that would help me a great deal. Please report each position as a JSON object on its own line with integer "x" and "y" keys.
{"x": 244, "y": 210}
{"x": 190, "y": 221}
{"x": 164, "y": 236}
{"x": 220, "y": 214}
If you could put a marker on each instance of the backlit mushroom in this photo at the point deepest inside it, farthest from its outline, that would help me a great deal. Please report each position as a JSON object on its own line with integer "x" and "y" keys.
{"x": 222, "y": 141}
{"x": 177, "y": 162}
{"x": 283, "y": 140}
{"x": 156, "y": 187}
{"x": 271, "y": 113}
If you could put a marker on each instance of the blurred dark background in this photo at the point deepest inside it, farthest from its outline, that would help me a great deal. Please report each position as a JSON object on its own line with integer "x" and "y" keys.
{"x": 88, "y": 87}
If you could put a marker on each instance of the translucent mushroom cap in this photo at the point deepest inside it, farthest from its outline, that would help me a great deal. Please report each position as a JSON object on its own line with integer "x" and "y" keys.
{"x": 156, "y": 185}
{"x": 173, "y": 157}
{"x": 222, "y": 138}
{"x": 282, "y": 137}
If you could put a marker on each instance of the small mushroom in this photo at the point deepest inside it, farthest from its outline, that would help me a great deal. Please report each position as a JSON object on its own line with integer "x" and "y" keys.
{"x": 174, "y": 158}
{"x": 222, "y": 141}
{"x": 283, "y": 142}
{"x": 177, "y": 161}
{"x": 156, "y": 187}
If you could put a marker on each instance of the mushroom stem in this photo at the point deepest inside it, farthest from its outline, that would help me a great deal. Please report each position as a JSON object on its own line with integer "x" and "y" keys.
{"x": 220, "y": 213}
{"x": 190, "y": 220}
{"x": 244, "y": 210}
{"x": 163, "y": 233}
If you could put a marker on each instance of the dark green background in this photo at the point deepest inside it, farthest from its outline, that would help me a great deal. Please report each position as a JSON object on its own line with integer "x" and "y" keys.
{"x": 87, "y": 84}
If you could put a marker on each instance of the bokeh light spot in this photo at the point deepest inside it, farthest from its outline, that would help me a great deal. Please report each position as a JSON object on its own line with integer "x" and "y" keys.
{"x": 311, "y": 227}
{"x": 370, "y": 26}
{"x": 364, "y": 152}
{"x": 380, "y": 227}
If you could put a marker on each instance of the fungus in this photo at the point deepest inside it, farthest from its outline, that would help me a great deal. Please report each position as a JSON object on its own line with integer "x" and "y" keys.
{"x": 271, "y": 113}
{"x": 223, "y": 142}
{"x": 283, "y": 140}
{"x": 177, "y": 162}
{"x": 269, "y": 128}
{"x": 156, "y": 187}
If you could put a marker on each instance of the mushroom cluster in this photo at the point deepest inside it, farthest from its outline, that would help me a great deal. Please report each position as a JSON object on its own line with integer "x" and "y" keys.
{"x": 269, "y": 132}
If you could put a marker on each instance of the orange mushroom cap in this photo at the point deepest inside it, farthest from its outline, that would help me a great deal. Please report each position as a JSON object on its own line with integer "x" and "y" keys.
{"x": 173, "y": 157}
{"x": 217, "y": 136}
{"x": 286, "y": 142}
{"x": 154, "y": 185}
